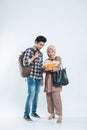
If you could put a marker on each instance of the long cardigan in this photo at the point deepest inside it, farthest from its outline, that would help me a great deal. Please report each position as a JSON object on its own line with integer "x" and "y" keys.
{"x": 48, "y": 78}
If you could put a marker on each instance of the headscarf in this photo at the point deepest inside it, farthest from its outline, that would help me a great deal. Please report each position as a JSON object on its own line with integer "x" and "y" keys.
{"x": 53, "y": 48}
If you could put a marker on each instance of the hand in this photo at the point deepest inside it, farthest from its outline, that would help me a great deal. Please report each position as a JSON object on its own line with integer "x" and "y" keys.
{"x": 47, "y": 68}
{"x": 36, "y": 55}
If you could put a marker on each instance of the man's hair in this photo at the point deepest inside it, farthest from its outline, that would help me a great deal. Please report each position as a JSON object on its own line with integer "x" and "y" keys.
{"x": 40, "y": 39}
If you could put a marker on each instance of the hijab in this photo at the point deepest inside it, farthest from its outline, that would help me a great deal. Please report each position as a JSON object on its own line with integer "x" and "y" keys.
{"x": 53, "y": 48}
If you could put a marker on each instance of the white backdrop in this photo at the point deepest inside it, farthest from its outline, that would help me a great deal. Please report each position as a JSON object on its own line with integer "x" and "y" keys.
{"x": 64, "y": 23}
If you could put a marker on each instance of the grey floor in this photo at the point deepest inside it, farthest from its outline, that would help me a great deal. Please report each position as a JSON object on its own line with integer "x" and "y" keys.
{"x": 68, "y": 123}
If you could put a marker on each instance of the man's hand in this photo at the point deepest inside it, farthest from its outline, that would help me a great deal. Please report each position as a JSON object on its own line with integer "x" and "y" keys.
{"x": 36, "y": 54}
{"x": 34, "y": 57}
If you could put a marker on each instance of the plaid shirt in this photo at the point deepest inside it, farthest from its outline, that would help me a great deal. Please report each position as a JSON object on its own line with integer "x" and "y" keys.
{"x": 36, "y": 71}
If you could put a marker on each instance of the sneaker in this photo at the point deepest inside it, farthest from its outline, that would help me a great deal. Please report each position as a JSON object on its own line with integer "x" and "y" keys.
{"x": 35, "y": 115}
{"x": 27, "y": 118}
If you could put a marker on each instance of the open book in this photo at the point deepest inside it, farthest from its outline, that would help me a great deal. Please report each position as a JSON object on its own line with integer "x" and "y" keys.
{"x": 51, "y": 64}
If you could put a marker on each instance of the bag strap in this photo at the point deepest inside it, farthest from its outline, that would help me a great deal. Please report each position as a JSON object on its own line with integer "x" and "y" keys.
{"x": 33, "y": 61}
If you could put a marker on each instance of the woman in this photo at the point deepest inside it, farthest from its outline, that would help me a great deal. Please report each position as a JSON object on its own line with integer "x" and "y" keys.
{"x": 53, "y": 93}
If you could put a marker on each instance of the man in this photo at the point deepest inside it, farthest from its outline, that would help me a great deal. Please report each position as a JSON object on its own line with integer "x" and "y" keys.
{"x": 34, "y": 57}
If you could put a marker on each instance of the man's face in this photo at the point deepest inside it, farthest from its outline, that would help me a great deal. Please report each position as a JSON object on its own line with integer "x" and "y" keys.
{"x": 39, "y": 45}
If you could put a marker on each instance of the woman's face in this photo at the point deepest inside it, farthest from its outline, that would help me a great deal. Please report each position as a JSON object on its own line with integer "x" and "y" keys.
{"x": 51, "y": 53}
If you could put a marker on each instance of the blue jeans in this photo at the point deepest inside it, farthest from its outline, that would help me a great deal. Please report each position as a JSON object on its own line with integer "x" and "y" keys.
{"x": 32, "y": 98}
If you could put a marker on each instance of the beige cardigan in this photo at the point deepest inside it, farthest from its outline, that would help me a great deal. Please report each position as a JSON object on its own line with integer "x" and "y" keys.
{"x": 48, "y": 78}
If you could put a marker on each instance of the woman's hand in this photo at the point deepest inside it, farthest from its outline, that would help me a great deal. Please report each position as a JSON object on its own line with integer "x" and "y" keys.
{"x": 47, "y": 68}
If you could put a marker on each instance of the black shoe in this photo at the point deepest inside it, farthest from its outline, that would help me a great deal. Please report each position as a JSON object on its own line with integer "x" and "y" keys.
{"x": 27, "y": 118}
{"x": 35, "y": 115}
